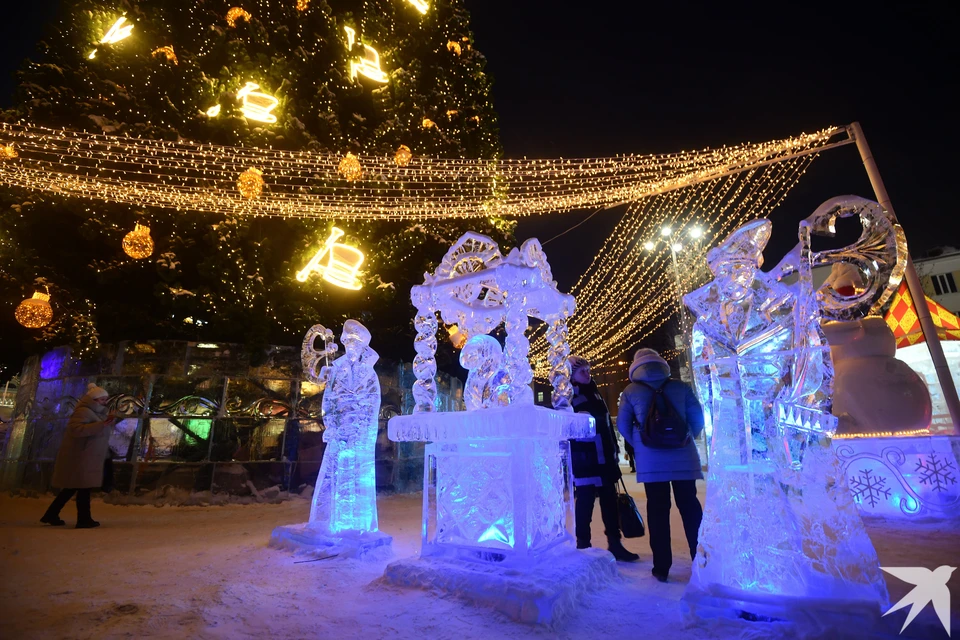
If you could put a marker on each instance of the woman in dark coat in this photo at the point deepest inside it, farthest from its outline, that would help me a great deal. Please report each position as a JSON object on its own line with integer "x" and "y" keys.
{"x": 596, "y": 468}
{"x": 658, "y": 469}
{"x": 79, "y": 465}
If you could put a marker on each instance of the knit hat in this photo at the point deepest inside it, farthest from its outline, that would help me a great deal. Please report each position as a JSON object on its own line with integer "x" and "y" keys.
{"x": 576, "y": 362}
{"x": 647, "y": 356}
{"x": 95, "y": 393}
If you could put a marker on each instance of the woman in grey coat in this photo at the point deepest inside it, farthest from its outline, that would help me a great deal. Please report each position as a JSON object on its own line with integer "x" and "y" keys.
{"x": 657, "y": 469}
{"x": 79, "y": 465}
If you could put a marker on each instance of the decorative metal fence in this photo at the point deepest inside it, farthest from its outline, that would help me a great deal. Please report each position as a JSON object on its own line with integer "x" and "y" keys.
{"x": 201, "y": 417}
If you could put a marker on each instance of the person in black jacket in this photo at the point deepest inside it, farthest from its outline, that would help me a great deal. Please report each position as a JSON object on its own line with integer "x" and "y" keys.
{"x": 596, "y": 467}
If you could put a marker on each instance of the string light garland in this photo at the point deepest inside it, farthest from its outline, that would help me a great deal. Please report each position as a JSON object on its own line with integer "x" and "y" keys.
{"x": 350, "y": 168}
{"x": 403, "y": 156}
{"x": 250, "y": 183}
{"x": 606, "y": 328}
{"x": 34, "y": 312}
{"x": 167, "y": 52}
{"x": 138, "y": 244}
{"x": 193, "y": 177}
{"x": 236, "y": 13}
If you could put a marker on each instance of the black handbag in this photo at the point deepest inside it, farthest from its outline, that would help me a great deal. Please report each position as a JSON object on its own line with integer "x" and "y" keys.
{"x": 631, "y": 522}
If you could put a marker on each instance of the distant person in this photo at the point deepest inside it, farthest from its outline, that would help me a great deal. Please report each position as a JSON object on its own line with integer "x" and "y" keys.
{"x": 661, "y": 417}
{"x": 596, "y": 465}
{"x": 80, "y": 460}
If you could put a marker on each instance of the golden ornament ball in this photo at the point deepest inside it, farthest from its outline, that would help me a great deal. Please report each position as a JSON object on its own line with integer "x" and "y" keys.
{"x": 350, "y": 167}
{"x": 8, "y": 151}
{"x": 428, "y": 123}
{"x": 138, "y": 244}
{"x": 454, "y": 47}
{"x": 250, "y": 183}
{"x": 404, "y": 156}
{"x": 236, "y": 13}
{"x": 34, "y": 312}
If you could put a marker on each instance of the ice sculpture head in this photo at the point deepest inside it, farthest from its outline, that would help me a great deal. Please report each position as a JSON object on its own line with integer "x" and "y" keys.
{"x": 487, "y": 383}
{"x": 355, "y": 337}
{"x": 736, "y": 261}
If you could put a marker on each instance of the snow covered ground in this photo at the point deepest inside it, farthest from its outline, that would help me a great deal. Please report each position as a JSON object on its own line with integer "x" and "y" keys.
{"x": 206, "y": 572}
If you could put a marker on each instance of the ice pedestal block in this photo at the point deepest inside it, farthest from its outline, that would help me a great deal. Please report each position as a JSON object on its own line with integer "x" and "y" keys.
{"x": 544, "y": 593}
{"x": 493, "y": 479}
{"x": 907, "y": 477}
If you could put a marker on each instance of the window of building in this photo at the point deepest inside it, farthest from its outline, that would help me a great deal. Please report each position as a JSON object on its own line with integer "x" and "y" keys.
{"x": 944, "y": 283}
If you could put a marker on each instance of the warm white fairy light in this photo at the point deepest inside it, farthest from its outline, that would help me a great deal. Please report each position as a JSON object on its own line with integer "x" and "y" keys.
{"x": 116, "y": 33}
{"x": 192, "y": 177}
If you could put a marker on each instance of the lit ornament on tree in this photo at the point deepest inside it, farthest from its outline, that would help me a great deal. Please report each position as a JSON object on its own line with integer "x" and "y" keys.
{"x": 138, "y": 244}
{"x": 404, "y": 156}
{"x": 116, "y": 33}
{"x": 255, "y": 105}
{"x": 34, "y": 312}
{"x": 8, "y": 151}
{"x": 250, "y": 183}
{"x": 167, "y": 52}
{"x": 428, "y": 123}
{"x": 350, "y": 168}
{"x": 419, "y": 5}
{"x": 454, "y": 46}
{"x": 236, "y": 13}
{"x": 302, "y": 5}
{"x": 369, "y": 64}
{"x": 342, "y": 266}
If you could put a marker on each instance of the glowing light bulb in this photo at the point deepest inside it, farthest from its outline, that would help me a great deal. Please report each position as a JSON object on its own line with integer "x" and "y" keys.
{"x": 696, "y": 233}
{"x": 648, "y": 245}
{"x": 419, "y": 5}
{"x": 666, "y": 231}
{"x": 677, "y": 247}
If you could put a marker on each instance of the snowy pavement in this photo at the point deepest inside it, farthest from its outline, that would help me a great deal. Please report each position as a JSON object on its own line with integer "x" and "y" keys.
{"x": 206, "y": 572}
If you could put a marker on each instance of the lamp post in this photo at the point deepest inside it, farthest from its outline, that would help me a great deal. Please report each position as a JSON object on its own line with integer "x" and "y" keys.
{"x": 673, "y": 240}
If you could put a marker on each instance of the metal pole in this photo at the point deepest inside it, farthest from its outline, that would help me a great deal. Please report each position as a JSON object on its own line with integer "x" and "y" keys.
{"x": 913, "y": 285}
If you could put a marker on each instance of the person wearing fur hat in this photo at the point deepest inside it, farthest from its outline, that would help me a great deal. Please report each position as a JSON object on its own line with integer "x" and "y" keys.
{"x": 659, "y": 468}
{"x": 596, "y": 465}
{"x": 79, "y": 465}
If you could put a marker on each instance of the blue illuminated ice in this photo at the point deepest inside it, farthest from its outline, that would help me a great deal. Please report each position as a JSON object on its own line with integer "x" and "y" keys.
{"x": 343, "y": 514}
{"x": 781, "y": 536}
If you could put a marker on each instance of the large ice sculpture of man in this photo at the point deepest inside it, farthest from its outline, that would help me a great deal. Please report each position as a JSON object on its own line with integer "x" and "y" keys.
{"x": 780, "y": 536}
{"x": 345, "y": 498}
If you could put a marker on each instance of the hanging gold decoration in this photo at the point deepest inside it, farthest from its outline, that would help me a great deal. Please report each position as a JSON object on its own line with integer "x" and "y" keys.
{"x": 34, "y": 312}
{"x": 452, "y": 112}
{"x": 167, "y": 52}
{"x": 428, "y": 123}
{"x": 404, "y": 156}
{"x": 454, "y": 46}
{"x": 7, "y": 151}
{"x": 236, "y": 13}
{"x": 350, "y": 167}
{"x": 250, "y": 183}
{"x": 138, "y": 244}
{"x": 302, "y": 5}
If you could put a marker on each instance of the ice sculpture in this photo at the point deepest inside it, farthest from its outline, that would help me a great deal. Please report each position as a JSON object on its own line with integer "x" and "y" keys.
{"x": 494, "y": 474}
{"x": 781, "y": 536}
{"x": 343, "y": 514}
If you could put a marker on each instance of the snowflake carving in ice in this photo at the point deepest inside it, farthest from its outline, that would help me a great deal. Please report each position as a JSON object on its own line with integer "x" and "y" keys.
{"x": 937, "y": 474}
{"x": 869, "y": 487}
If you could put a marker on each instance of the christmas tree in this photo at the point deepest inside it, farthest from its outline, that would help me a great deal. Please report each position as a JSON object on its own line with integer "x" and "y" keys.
{"x": 371, "y": 77}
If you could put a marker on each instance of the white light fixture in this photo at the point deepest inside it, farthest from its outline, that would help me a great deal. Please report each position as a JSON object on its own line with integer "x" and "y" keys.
{"x": 648, "y": 245}
{"x": 696, "y": 233}
{"x": 666, "y": 231}
{"x": 677, "y": 247}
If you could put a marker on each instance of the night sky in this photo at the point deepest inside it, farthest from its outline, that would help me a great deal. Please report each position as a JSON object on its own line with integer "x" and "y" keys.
{"x": 597, "y": 79}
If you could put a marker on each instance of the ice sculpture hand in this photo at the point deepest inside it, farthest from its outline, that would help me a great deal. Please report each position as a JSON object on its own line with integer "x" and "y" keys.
{"x": 487, "y": 383}
{"x": 345, "y": 497}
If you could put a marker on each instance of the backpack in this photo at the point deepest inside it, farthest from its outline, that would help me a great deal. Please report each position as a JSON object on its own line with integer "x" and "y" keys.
{"x": 664, "y": 427}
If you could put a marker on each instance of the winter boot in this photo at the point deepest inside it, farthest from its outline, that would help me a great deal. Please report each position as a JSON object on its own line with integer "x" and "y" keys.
{"x": 87, "y": 524}
{"x": 662, "y": 577}
{"x": 621, "y": 553}
{"x": 53, "y": 521}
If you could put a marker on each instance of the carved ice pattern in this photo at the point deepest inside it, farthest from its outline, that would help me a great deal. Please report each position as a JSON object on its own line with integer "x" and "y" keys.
{"x": 868, "y": 487}
{"x": 937, "y": 474}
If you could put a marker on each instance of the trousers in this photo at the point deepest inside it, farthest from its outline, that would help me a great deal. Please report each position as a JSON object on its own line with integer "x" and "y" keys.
{"x": 584, "y": 498}
{"x": 83, "y": 503}
{"x": 658, "y": 519}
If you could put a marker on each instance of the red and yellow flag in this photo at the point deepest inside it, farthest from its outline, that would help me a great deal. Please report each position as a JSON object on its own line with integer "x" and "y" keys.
{"x": 903, "y": 321}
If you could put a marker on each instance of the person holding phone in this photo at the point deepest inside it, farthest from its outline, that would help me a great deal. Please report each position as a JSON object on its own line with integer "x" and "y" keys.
{"x": 79, "y": 465}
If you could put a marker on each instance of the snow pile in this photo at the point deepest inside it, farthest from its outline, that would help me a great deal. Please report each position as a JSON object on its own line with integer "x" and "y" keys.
{"x": 170, "y": 496}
